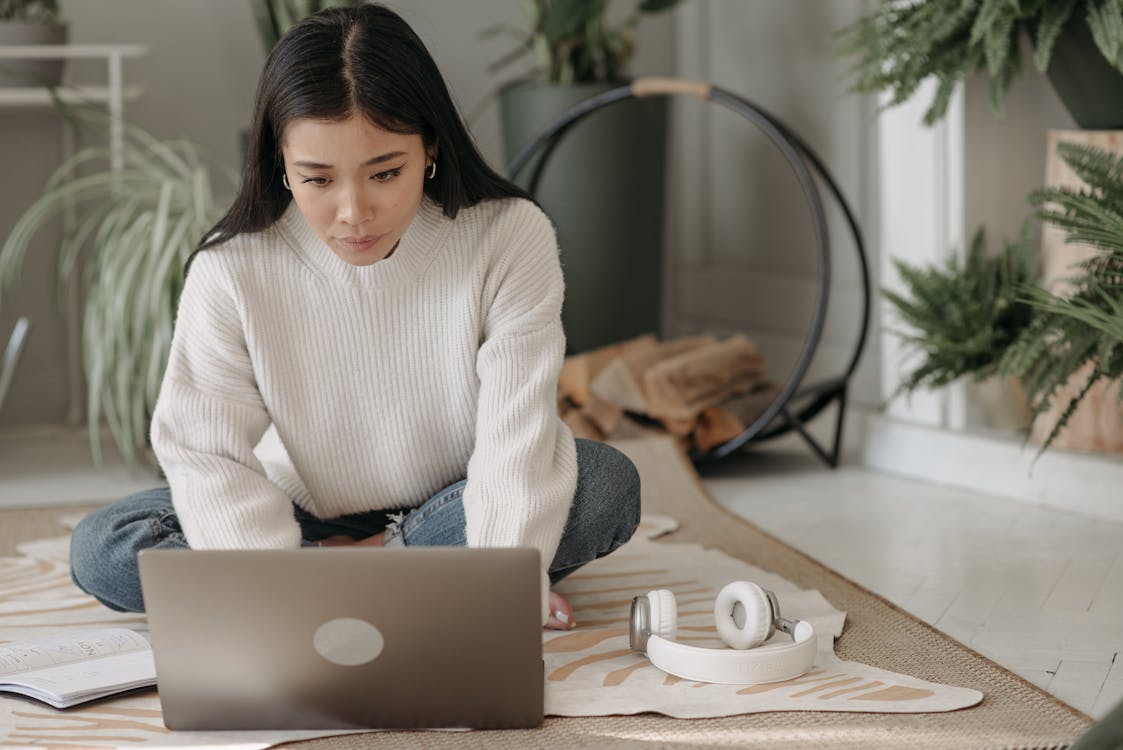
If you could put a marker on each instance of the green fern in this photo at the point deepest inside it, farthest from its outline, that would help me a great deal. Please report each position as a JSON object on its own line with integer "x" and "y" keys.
{"x": 962, "y": 319}
{"x": 1086, "y": 326}
{"x": 904, "y": 42}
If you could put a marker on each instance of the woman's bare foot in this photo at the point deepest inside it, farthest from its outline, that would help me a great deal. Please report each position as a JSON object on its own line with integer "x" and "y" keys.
{"x": 561, "y": 614}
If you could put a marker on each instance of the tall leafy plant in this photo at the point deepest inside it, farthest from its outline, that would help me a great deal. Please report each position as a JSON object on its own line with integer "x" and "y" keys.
{"x": 275, "y": 17}
{"x": 904, "y": 42}
{"x": 573, "y": 41}
{"x": 39, "y": 11}
{"x": 1084, "y": 326}
{"x": 135, "y": 229}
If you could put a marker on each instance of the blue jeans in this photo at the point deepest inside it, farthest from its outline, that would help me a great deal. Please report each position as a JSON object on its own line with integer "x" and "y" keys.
{"x": 604, "y": 514}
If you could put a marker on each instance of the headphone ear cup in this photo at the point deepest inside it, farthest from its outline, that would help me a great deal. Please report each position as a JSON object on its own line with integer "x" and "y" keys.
{"x": 758, "y": 615}
{"x": 664, "y": 613}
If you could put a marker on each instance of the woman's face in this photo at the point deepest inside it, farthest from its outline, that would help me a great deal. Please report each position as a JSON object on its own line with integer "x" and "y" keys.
{"x": 358, "y": 186}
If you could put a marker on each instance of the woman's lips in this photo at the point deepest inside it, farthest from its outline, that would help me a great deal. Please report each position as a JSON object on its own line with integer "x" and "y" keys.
{"x": 359, "y": 244}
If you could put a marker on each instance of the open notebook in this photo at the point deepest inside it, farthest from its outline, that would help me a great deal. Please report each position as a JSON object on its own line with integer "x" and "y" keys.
{"x": 72, "y": 668}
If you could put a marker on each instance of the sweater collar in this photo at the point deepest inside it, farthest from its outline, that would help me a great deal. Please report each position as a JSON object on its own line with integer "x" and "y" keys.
{"x": 413, "y": 255}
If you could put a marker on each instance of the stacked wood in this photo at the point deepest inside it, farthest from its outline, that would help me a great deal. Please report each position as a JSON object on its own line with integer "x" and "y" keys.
{"x": 700, "y": 390}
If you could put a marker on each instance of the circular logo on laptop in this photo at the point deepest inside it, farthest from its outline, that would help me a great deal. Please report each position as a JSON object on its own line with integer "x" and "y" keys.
{"x": 348, "y": 641}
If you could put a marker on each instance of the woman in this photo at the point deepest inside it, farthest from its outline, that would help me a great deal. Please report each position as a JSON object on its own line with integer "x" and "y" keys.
{"x": 387, "y": 308}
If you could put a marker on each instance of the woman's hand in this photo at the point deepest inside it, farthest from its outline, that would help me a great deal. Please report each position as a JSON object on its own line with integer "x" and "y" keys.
{"x": 561, "y": 614}
{"x": 342, "y": 540}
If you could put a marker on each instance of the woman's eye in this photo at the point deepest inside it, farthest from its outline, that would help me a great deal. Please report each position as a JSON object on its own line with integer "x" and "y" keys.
{"x": 321, "y": 181}
{"x": 388, "y": 175}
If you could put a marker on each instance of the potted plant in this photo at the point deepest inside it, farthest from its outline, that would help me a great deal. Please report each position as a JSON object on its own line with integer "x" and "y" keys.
{"x": 1077, "y": 43}
{"x": 962, "y": 319}
{"x": 133, "y": 232}
{"x": 31, "y": 22}
{"x": 604, "y": 184}
{"x": 1078, "y": 334}
{"x": 275, "y": 17}
{"x": 991, "y": 316}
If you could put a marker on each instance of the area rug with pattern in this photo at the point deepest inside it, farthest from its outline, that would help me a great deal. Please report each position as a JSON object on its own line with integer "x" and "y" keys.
{"x": 881, "y": 678}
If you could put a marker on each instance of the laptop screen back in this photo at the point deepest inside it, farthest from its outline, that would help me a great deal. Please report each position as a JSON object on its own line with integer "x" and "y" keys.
{"x": 346, "y": 637}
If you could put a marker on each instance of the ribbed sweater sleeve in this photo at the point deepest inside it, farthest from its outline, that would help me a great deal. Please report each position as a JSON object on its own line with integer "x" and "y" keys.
{"x": 207, "y": 420}
{"x": 523, "y": 472}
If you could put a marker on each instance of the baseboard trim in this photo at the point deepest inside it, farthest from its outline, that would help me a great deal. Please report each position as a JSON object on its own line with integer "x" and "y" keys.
{"x": 49, "y": 465}
{"x": 1083, "y": 483}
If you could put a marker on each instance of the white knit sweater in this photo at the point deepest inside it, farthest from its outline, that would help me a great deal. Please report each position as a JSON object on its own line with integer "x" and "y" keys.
{"x": 385, "y": 383}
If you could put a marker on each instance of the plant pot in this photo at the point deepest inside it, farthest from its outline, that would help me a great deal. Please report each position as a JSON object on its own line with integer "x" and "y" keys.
{"x": 31, "y": 72}
{"x": 603, "y": 188}
{"x": 1088, "y": 85}
{"x": 1001, "y": 403}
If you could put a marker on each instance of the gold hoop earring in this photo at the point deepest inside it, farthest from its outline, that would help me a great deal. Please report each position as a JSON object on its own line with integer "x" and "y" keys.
{"x": 432, "y": 172}
{"x": 285, "y": 182}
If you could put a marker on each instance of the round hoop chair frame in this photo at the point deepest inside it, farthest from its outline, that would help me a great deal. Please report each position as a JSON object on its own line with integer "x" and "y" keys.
{"x": 801, "y": 159}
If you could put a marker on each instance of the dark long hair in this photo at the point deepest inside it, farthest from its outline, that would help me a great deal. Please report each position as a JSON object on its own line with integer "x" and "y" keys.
{"x": 340, "y": 62}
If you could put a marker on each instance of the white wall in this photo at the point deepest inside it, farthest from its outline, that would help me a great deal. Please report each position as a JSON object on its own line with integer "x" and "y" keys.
{"x": 1005, "y": 156}
{"x": 745, "y": 258}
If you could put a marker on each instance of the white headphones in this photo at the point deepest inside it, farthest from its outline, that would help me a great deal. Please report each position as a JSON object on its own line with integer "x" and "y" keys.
{"x": 746, "y": 616}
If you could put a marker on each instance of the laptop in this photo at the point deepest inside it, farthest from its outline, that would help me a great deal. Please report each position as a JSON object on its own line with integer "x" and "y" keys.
{"x": 346, "y": 637}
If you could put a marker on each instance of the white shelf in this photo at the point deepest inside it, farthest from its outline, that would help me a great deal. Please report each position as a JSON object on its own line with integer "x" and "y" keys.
{"x": 70, "y": 51}
{"x": 31, "y": 96}
{"x": 113, "y": 95}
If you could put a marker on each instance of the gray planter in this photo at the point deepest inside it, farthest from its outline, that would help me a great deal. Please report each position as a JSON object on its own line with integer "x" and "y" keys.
{"x": 603, "y": 187}
{"x": 1088, "y": 85}
{"x": 31, "y": 72}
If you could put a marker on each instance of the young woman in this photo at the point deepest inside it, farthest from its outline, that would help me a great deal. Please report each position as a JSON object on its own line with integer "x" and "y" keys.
{"x": 386, "y": 309}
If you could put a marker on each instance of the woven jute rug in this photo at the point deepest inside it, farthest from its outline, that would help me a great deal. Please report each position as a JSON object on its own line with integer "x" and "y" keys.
{"x": 1013, "y": 713}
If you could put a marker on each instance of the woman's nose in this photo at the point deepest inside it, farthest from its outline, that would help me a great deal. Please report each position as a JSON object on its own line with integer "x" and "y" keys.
{"x": 354, "y": 208}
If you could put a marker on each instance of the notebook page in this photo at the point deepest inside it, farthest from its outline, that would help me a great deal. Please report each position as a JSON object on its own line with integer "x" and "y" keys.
{"x": 27, "y": 656}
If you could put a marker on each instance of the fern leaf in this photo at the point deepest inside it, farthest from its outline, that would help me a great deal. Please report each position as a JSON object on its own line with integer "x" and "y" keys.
{"x": 1054, "y": 15}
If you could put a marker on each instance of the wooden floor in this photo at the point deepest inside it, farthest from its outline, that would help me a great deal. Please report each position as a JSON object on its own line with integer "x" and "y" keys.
{"x": 1038, "y": 591}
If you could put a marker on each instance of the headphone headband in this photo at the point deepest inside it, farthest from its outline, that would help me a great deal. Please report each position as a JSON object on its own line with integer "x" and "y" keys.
{"x": 773, "y": 663}
{"x": 653, "y": 626}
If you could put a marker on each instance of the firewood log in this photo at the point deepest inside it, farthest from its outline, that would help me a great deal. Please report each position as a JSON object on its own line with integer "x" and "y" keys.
{"x": 582, "y": 426}
{"x": 604, "y": 414}
{"x": 617, "y": 384}
{"x": 748, "y": 407}
{"x": 715, "y": 426}
{"x": 679, "y": 427}
{"x": 573, "y": 381}
{"x": 682, "y": 386}
{"x": 579, "y": 370}
{"x": 641, "y": 359}
{"x": 630, "y": 427}
{"x": 620, "y": 380}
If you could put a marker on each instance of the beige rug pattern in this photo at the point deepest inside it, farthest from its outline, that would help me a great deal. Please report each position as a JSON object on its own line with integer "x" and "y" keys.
{"x": 590, "y": 671}
{"x": 886, "y": 660}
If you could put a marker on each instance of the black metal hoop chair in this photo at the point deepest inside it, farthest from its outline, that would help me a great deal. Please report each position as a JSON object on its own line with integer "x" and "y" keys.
{"x": 781, "y": 416}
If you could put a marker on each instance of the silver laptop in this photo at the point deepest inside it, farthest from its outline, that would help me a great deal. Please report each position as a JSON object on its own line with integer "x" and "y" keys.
{"x": 346, "y": 637}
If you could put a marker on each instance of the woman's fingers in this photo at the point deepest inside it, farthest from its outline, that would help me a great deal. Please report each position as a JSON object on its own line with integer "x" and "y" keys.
{"x": 561, "y": 613}
{"x": 342, "y": 540}
{"x": 337, "y": 540}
